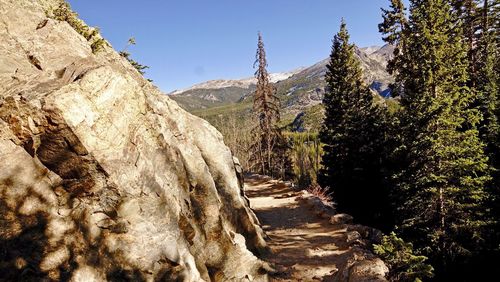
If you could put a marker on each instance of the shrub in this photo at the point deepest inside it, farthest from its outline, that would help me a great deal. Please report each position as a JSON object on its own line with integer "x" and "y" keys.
{"x": 306, "y": 152}
{"x": 91, "y": 34}
{"x": 321, "y": 193}
{"x": 140, "y": 68}
{"x": 404, "y": 265}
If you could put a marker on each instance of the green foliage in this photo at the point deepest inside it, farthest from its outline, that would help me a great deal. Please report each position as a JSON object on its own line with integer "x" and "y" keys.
{"x": 64, "y": 13}
{"x": 305, "y": 155}
{"x": 394, "y": 23}
{"x": 353, "y": 137}
{"x": 313, "y": 118}
{"x": 195, "y": 101}
{"x": 98, "y": 45}
{"x": 482, "y": 27}
{"x": 482, "y": 21}
{"x": 140, "y": 68}
{"x": 404, "y": 265}
{"x": 393, "y": 106}
{"x": 393, "y": 27}
{"x": 211, "y": 114}
{"x": 439, "y": 182}
{"x": 235, "y": 124}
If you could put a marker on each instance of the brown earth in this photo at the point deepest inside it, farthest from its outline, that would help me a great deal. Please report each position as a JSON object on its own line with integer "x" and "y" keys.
{"x": 305, "y": 245}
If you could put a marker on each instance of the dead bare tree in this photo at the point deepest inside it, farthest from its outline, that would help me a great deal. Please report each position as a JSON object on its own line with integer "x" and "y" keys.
{"x": 269, "y": 150}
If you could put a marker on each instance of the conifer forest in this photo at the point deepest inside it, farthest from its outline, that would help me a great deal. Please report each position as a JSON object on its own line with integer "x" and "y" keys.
{"x": 425, "y": 171}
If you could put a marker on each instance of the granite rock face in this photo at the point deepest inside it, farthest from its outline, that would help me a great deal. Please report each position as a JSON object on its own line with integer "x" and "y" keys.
{"x": 102, "y": 177}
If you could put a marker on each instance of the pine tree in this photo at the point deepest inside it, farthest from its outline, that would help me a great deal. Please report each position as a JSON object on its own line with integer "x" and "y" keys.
{"x": 480, "y": 22}
{"x": 270, "y": 148}
{"x": 485, "y": 78}
{"x": 480, "y": 35}
{"x": 489, "y": 85}
{"x": 352, "y": 135}
{"x": 440, "y": 187}
{"x": 393, "y": 27}
{"x": 483, "y": 54}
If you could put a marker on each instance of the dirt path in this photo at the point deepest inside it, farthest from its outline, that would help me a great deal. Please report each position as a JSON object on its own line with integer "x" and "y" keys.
{"x": 304, "y": 247}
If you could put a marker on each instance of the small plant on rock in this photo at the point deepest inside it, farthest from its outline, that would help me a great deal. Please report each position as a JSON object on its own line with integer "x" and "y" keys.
{"x": 404, "y": 265}
{"x": 64, "y": 13}
{"x": 140, "y": 68}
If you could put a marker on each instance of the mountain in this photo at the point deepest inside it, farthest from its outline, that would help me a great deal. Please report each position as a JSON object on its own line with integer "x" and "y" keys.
{"x": 308, "y": 87}
{"x": 240, "y": 83}
{"x": 215, "y": 93}
{"x": 298, "y": 89}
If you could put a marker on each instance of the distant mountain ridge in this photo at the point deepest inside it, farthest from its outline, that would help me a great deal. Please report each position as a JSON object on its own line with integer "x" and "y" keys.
{"x": 215, "y": 93}
{"x": 298, "y": 89}
{"x": 241, "y": 83}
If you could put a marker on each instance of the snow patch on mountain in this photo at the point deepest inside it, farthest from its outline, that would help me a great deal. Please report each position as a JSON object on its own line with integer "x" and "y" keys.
{"x": 239, "y": 83}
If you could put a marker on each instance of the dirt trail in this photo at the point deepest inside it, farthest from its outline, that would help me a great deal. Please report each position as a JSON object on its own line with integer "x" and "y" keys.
{"x": 304, "y": 247}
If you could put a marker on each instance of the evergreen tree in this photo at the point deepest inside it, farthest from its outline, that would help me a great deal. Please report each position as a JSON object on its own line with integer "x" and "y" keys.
{"x": 403, "y": 264}
{"x": 480, "y": 22}
{"x": 491, "y": 83}
{"x": 393, "y": 27}
{"x": 485, "y": 71}
{"x": 483, "y": 54}
{"x": 352, "y": 135}
{"x": 269, "y": 152}
{"x": 440, "y": 186}
{"x": 480, "y": 34}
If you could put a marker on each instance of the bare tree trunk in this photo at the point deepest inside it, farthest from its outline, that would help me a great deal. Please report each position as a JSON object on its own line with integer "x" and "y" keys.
{"x": 266, "y": 112}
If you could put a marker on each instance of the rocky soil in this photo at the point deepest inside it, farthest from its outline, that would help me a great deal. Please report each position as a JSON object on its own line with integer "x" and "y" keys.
{"x": 308, "y": 241}
{"x": 102, "y": 177}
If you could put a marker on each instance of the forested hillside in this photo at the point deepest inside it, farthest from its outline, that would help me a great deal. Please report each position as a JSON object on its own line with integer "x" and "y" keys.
{"x": 298, "y": 90}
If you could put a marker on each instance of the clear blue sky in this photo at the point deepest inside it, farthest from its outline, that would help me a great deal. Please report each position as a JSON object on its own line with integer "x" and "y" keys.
{"x": 190, "y": 41}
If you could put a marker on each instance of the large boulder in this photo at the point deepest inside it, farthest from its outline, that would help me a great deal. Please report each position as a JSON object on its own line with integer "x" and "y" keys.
{"x": 102, "y": 177}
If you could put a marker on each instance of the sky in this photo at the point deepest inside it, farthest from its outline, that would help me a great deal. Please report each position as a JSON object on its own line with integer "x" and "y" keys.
{"x": 185, "y": 42}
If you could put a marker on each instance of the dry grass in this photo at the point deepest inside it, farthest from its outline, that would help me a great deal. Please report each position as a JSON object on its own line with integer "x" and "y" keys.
{"x": 321, "y": 193}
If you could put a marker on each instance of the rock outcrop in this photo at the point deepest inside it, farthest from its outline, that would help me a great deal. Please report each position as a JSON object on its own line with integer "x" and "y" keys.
{"x": 102, "y": 177}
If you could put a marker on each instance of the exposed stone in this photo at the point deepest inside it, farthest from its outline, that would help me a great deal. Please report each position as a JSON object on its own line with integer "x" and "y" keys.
{"x": 314, "y": 202}
{"x": 361, "y": 266}
{"x": 370, "y": 270}
{"x": 102, "y": 176}
{"x": 371, "y": 234}
{"x": 239, "y": 171}
{"x": 341, "y": 218}
{"x": 353, "y": 237}
{"x": 321, "y": 209}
